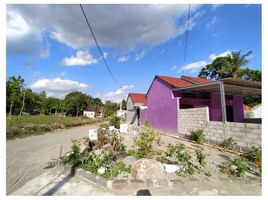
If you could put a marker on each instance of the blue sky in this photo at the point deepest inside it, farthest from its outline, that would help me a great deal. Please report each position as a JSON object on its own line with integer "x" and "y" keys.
{"x": 51, "y": 47}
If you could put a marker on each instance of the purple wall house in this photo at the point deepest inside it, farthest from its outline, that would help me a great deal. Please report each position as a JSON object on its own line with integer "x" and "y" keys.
{"x": 162, "y": 107}
{"x": 163, "y": 103}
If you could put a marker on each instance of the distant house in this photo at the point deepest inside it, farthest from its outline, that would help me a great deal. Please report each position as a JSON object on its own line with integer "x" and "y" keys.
{"x": 100, "y": 111}
{"x": 90, "y": 111}
{"x": 167, "y": 95}
{"x": 246, "y": 107}
{"x": 121, "y": 113}
{"x": 254, "y": 112}
{"x": 135, "y": 103}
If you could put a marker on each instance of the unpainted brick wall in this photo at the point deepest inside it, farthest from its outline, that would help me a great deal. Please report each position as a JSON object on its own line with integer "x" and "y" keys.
{"x": 245, "y": 134}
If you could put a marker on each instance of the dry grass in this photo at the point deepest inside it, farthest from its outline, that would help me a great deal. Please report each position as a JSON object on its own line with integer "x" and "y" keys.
{"x": 22, "y": 126}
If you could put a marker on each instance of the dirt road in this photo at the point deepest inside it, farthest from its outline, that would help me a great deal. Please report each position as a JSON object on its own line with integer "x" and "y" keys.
{"x": 27, "y": 157}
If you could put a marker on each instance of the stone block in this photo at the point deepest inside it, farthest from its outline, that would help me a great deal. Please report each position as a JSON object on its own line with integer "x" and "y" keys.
{"x": 252, "y": 125}
{"x": 101, "y": 181}
{"x": 243, "y": 130}
{"x": 242, "y": 144}
{"x": 87, "y": 175}
{"x": 120, "y": 184}
{"x": 253, "y": 136}
{"x": 255, "y": 131}
{"x": 137, "y": 183}
{"x": 157, "y": 183}
{"x": 235, "y": 129}
{"x": 240, "y": 125}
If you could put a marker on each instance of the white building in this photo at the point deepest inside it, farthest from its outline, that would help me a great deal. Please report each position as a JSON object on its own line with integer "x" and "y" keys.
{"x": 254, "y": 112}
{"x": 90, "y": 111}
{"x": 135, "y": 103}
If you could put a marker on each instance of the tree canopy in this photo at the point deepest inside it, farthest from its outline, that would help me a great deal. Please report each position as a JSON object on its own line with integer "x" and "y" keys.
{"x": 228, "y": 66}
{"x": 23, "y": 100}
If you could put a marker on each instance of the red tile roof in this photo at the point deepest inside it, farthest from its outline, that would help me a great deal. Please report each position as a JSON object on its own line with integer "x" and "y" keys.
{"x": 175, "y": 82}
{"x": 246, "y": 107}
{"x": 197, "y": 79}
{"x": 138, "y": 98}
{"x": 182, "y": 82}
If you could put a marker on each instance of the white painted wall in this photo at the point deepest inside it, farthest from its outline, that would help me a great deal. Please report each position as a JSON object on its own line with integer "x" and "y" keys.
{"x": 130, "y": 112}
{"x": 255, "y": 112}
{"x": 89, "y": 114}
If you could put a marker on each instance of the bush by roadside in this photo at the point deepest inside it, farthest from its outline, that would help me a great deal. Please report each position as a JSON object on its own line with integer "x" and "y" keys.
{"x": 22, "y": 126}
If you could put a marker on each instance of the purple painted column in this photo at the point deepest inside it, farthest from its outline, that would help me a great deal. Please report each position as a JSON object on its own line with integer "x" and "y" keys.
{"x": 238, "y": 109}
{"x": 215, "y": 107}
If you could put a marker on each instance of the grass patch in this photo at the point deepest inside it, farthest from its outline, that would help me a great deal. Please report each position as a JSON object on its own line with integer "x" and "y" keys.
{"x": 22, "y": 126}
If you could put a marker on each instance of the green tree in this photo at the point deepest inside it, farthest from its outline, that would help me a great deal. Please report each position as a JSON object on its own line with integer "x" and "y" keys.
{"x": 246, "y": 73}
{"x": 110, "y": 108}
{"x": 32, "y": 102}
{"x": 124, "y": 104}
{"x": 228, "y": 66}
{"x": 235, "y": 61}
{"x": 97, "y": 101}
{"x": 76, "y": 102}
{"x": 13, "y": 91}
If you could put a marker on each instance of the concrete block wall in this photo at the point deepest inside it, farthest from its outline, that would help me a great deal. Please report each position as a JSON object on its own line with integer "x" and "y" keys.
{"x": 245, "y": 134}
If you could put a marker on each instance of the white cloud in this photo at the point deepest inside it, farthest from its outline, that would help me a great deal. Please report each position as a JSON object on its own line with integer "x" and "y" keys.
{"x": 211, "y": 22}
{"x": 57, "y": 87}
{"x": 174, "y": 67}
{"x": 81, "y": 58}
{"x": 36, "y": 73}
{"x": 117, "y": 95}
{"x": 119, "y": 26}
{"x": 16, "y": 26}
{"x": 214, "y": 56}
{"x": 139, "y": 56}
{"x": 193, "y": 66}
{"x": 63, "y": 73}
{"x": 44, "y": 53}
{"x": 215, "y": 6}
{"x": 123, "y": 59}
{"x": 105, "y": 55}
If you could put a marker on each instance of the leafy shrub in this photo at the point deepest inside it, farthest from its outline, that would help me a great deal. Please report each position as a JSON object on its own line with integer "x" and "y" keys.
{"x": 115, "y": 121}
{"x": 119, "y": 168}
{"x": 144, "y": 143}
{"x": 238, "y": 167}
{"x": 171, "y": 149}
{"x": 94, "y": 162}
{"x": 255, "y": 156}
{"x": 228, "y": 143}
{"x": 178, "y": 151}
{"x": 74, "y": 158}
{"x": 104, "y": 126}
{"x": 197, "y": 136}
{"x": 102, "y": 138}
{"x": 117, "y": 142}
{"x": 241, "y": 166}
{"x": 200, "y": 157}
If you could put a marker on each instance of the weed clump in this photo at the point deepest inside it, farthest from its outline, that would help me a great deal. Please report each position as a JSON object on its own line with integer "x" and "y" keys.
{"x": 184, "y": 158}
{"x": 144, "y": 143}
{"x": 228, "y": 144}
{"x": 197, "y": 136}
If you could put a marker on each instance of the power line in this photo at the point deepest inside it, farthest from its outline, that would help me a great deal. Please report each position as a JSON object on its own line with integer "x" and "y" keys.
{"x": 104, "y": 60}
{"x": 187, "y": 30}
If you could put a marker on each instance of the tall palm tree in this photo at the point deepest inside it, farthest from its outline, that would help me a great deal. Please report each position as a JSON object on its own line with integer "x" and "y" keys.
{"x": 235, "y": 61}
